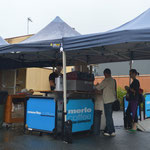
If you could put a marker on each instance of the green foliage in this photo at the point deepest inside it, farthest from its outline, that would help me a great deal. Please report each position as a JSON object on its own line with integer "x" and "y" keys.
{"x": 120, "y": 94}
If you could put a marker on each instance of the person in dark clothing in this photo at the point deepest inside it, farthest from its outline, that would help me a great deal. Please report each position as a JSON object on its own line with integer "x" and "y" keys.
{"x": 54, "y": 75}
{"x": 133, "y": 97}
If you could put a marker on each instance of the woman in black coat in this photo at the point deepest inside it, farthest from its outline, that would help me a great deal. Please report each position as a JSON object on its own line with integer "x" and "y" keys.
{"x": 133, "y": 99}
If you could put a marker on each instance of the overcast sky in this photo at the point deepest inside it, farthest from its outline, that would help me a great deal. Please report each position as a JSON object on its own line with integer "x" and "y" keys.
{"x": 86, "y": 16}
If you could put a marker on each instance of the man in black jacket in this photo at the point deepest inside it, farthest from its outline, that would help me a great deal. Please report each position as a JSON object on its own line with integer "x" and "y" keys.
{"x": 54, "y": 75}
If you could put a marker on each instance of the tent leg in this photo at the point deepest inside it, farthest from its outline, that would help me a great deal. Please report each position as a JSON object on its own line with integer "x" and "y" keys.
{"x": 15, "y": 76}
{"x": 64, "y": 84}
{"x": 131, "y": 62}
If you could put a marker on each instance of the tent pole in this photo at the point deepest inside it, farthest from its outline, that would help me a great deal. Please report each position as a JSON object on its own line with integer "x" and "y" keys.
{"x": 64, "y": 84}
{"x": 131, "y": 62}
{"x": 15, "y": 76}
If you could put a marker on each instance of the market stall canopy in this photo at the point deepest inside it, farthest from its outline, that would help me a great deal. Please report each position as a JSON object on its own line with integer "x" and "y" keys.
{"x": 40, "y": 50}
{"x": 129, "y": 41}
{"x": 5, "y": 61}
{"x": 57, "y": 29}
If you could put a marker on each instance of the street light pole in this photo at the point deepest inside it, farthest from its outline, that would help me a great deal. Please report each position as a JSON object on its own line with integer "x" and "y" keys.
{"x": 27, "y": 26}
{"x": 28, "y": 20}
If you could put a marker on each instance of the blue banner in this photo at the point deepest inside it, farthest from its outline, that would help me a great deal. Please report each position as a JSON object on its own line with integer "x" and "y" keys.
{"x": 40, "y": 114}
{"x": 81, "y": 113}
{"x": 147, "y": 106}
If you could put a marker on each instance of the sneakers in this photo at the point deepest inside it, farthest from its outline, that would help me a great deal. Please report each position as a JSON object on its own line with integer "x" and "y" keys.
{"x": 113, "y": 134}
{"x": 107, "y": 134}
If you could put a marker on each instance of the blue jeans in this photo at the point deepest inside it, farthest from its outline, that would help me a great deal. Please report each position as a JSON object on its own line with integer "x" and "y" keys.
{"x": 109, "y": 120}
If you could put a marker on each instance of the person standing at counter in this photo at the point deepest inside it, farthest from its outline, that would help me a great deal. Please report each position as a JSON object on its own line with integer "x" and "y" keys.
{"x": 108, "y": 88}
{"x": 54, "y": 75}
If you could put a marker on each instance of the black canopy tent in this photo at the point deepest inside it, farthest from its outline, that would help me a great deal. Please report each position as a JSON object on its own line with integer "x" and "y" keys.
{"x": 5, "y": 61}
{"x": 129, "y": 41}
{"x": 40, "y": 50}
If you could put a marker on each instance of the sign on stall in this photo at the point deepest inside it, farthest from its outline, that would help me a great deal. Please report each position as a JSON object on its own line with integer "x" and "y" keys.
{"x": 147, "y": 105}
{"x": 81, "y": 113}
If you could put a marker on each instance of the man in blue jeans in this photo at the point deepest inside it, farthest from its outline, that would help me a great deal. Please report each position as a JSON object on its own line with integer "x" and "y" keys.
{"x": 108, "y": 87}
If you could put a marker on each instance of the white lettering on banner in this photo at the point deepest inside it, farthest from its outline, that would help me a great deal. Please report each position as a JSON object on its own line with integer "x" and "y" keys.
{"x": 79, "y": 117}
{"x": 83, "y": 114}
{"x": 148, "y": 102}
{"x": 78, "y": 111}
{"x": 34, "y": 112}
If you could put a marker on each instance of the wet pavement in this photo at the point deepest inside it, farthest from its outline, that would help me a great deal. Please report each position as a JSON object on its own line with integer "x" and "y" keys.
{"x": 15, "y": 139}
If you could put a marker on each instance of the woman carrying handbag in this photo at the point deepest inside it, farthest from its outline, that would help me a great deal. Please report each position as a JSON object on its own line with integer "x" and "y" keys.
{"x": 133, "y": 99}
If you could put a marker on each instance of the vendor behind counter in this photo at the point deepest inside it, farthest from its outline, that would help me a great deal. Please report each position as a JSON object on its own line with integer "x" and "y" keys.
{"x": 54, "y": 75}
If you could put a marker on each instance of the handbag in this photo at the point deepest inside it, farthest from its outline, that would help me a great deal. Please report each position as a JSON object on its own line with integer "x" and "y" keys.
{"x": 116, "y": 103}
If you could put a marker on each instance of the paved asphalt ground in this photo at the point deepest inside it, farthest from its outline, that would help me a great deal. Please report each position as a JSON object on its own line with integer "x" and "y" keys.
{"x": 14, "y": 139}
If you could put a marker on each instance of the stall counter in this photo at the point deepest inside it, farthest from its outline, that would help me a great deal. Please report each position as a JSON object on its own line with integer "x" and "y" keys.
{"x": 80, "y": 109}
